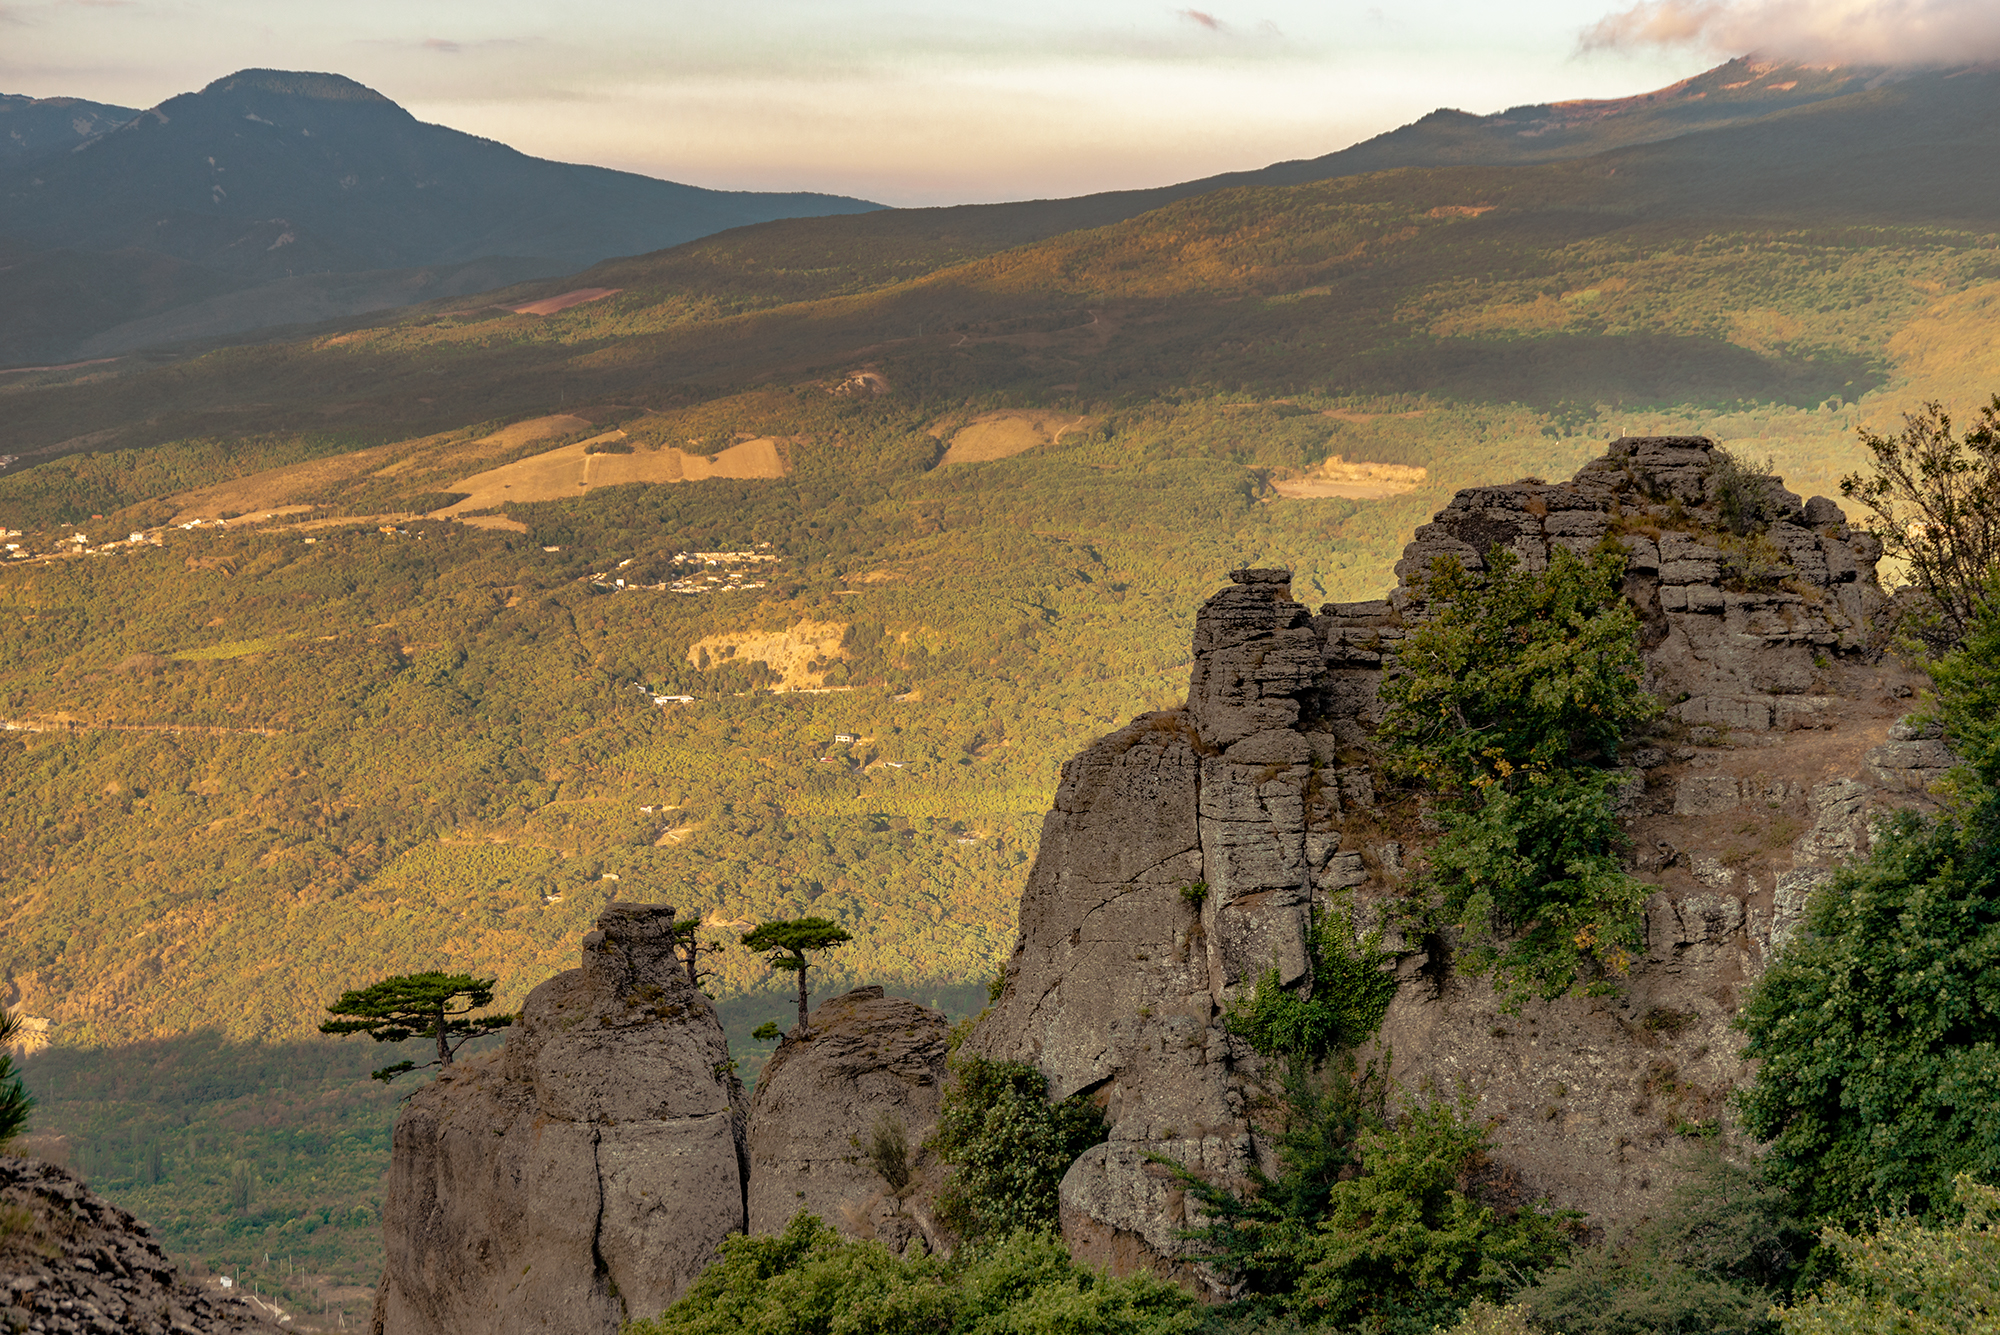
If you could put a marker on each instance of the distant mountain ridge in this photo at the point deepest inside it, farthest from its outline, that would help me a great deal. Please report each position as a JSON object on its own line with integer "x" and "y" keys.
{"x": 277, "y": 179}
{"x": 271, "y": 174}
{"x": 256, "y": 202}
{"x": 39, "y": 127}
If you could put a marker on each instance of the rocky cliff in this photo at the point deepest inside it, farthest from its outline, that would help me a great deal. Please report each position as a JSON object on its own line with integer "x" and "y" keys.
{"x": 1782, "y": 735}
{"x": 583, "y": 1174}
{"x": 871, "y": 1061}
{"x": 72, "y": 1262}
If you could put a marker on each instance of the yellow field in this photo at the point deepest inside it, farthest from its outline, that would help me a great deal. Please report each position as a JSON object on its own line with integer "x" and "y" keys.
{"x": 789, "y": 653}
{"x": 1002, "y": 435}
{"x": 1354, "y": 482}
{"x": 572, "y": 471}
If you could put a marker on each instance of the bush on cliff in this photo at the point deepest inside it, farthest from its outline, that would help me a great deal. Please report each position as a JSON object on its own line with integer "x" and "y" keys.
{"x": 1904, "y": 1278}
{"x": 1877, "y": 1030}
{"x": 808, "y": 1280}
{"x": 1399, "y": 1246}
{"x": 1350, "y": 992}
{"x": 1727, "y": 1247}
{"x": 1507, "y": 701}
{"x": 1008, "y": 1146}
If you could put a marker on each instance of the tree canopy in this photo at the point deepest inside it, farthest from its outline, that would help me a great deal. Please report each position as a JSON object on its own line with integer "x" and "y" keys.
{"x": 1935, "y": 499}
{"x": 785, "y": 945}
{"x": 422, "y": 1005}
{"x": 1506, "y": 700}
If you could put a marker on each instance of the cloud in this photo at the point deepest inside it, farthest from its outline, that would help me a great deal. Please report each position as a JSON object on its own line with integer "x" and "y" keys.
{"x": 440, "y": 44}
{"x": 1837, "y": 32}
{"x": 1208, "y": 21}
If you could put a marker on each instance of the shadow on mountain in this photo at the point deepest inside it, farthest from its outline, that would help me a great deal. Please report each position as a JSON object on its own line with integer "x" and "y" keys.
{"x": 1626, "y": 370}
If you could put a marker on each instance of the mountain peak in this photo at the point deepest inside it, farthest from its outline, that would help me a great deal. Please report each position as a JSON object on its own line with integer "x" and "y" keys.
{"x": 296, "y": 83}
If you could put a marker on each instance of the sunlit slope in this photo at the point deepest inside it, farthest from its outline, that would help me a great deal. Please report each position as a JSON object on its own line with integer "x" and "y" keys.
{"x": 295, "y": 764}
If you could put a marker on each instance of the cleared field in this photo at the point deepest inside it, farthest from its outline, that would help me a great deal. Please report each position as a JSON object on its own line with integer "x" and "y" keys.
{"x": 1353, "y": 482}
{"x": 789, "y": 653}
{"x": 1004, "y": 434}
{"x": 573, "y": 470}
{"x": 273, "y": 490}
{"x": 562, "y": 301}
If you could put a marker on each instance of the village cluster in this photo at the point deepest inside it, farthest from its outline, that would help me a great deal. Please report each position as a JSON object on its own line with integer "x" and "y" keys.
{"x": 705, "y": 572}
{"x": 76, "y": 544}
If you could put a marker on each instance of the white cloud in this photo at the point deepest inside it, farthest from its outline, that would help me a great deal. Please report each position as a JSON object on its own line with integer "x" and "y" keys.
{"x": 1836, "y": 32}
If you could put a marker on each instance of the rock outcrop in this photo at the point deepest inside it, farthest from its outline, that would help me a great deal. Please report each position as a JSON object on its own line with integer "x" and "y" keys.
{"x": 72, "y": 1262}
{"x": 870, "y": 1058}
{"x": 585, "y": 1173}
{"x": 1185, "y": 852}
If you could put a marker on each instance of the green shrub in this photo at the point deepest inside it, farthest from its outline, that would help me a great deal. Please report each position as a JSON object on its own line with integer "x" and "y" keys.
{"x": 1875, "y": 1030}
{"x": 1515, "y": 671}
{"x": 888, "y": 1151}
{"x": 1504, "y": 702}
{"x": 1966, "y": 687}
{"x": 1725, "y": 1249}
{"x": 1909, "y": 1279}
{"x": 1008, "y": 1145}
{"x": 1529, "y": 878}
{"x": 1400, "y": 1246}
{"x": 809, "y": 1281}
{"x": 1350, "y": 992}
{"x": 1405, "y": 1245}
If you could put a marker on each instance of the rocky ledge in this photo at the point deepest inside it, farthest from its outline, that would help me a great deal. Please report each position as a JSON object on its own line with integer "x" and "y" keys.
{"x": 71, "y": 1262}
{"x": 582, "y": 1175}
{"x": 1186, "y": 851}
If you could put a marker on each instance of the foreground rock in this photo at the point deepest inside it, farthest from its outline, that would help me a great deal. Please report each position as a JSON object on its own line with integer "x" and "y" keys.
{"x": 70, "y": 1261}
{"x": 584, "y": 1174}
{"x": 870, "y": 1059}
{"x": 1186, "y": 852}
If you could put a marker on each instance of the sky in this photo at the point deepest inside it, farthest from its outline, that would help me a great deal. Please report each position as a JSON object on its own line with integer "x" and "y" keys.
{"x": 951, "y": 101}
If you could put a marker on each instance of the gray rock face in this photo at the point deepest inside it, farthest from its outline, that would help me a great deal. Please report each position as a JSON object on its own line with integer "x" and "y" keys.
{"x": 72, "y": 1261}
{"x": 870, "y": 1056}
{"x": 583, "y": 1175}
{"x": 1186, "y": 852}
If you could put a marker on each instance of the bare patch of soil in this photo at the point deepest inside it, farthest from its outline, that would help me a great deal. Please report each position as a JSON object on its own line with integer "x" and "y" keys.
{"x": 564, "y": 300}
{"x": 1354, "y": 482}
{"x": 1004, "y": 434}
{"x": 789, "y": 653}
{"x": 573, "y": 470}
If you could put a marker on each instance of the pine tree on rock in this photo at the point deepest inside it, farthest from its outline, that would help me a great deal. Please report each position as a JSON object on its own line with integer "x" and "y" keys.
{"x": 420, "y": 1005}
{"x": 787, "y": 942}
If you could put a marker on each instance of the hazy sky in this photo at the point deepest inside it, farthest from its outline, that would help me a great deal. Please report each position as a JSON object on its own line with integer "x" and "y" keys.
{"x": 947, "y": 101}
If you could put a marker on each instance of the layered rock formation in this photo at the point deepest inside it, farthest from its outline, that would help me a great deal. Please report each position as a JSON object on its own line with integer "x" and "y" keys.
{"x": 585, "y": 1173}
{"x": 1185, "y": 851}
{"x": 70, "y": 1261}
{"x": 870, "y": 1059}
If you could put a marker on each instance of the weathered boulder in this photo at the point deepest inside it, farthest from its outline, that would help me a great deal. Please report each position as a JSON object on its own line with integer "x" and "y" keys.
{"x": 868, "y": 1057}
{"x": 1186, "y": 852}
{"x": 585, "y": 1173}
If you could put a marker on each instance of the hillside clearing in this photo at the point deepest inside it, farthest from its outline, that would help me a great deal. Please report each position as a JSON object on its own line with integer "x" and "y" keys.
{"x": 1004, "y": 434}
{"x": 1353, "y": 482}
{"x": 573, "y": 469}
{"x": 789, "y": 653}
